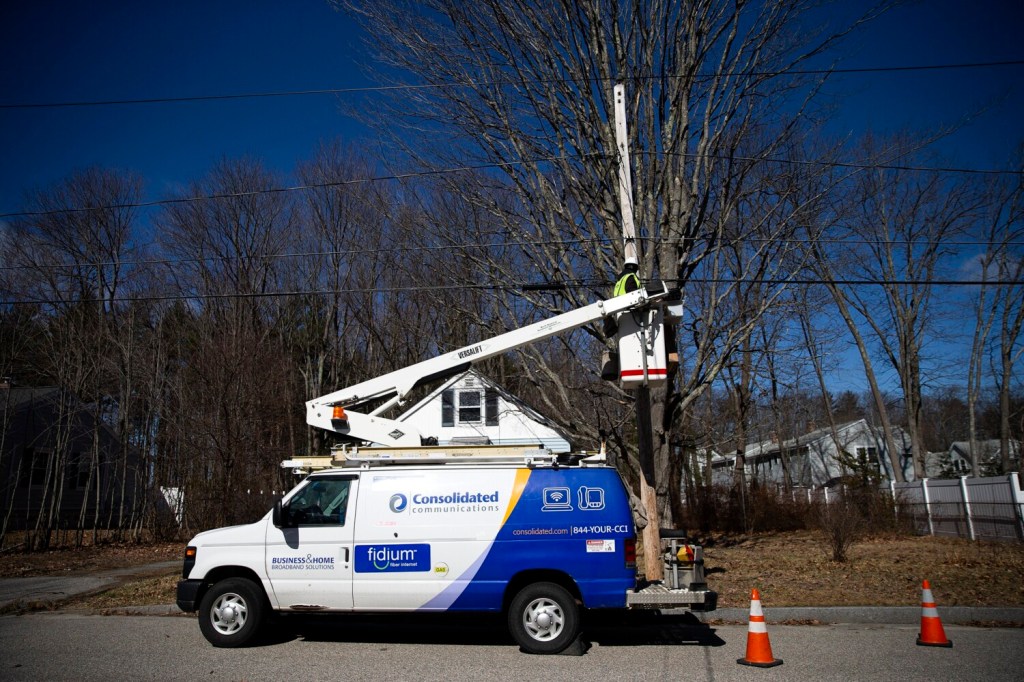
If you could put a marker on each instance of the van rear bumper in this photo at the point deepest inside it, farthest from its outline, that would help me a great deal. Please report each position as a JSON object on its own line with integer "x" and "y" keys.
{"x": 189, "y": 595}
{"x": 658, "y": 596}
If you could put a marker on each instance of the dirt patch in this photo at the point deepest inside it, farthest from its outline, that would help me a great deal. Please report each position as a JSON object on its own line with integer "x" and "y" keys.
{"x": 89, "y": 559}
{"x": 789, "y": 569}
{"x": 795, "y": 569}
{"x": 149, "y": 591}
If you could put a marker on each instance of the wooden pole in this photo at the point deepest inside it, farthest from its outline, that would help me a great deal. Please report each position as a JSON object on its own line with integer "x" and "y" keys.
{"x": 653, "y": 568}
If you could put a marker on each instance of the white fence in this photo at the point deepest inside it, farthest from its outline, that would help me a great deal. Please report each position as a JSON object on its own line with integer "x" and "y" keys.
{"x": 975, "y": 508}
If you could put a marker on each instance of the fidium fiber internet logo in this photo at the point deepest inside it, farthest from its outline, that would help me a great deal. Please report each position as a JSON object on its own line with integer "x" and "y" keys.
{"x": 398, "y": 502}
{"x": 392, "y": 558}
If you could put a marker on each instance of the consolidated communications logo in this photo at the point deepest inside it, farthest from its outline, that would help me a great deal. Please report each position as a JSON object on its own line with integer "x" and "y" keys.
{"x": 398, "y": 503}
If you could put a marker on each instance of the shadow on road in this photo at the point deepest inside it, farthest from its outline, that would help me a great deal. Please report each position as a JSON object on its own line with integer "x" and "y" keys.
{"x": 606, "y": 628}
{"x": 637, "y": 628}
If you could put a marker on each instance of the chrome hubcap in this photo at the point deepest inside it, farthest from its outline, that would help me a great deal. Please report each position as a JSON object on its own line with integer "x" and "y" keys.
{"x": 228, "y": 613}
{"x": 543, "y": 619}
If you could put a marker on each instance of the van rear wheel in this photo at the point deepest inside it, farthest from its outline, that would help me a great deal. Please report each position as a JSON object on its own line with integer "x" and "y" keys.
{"x": 231, "y": 612}
{"x": 544, "y": 618}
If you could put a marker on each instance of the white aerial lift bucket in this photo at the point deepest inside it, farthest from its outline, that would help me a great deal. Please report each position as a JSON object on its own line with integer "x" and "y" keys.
{"x": 642, "y": 355}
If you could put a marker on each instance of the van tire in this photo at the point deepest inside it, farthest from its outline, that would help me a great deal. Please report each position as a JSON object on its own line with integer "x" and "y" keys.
{"x": 231, "y": 612}
{"x": 544, "y": 618}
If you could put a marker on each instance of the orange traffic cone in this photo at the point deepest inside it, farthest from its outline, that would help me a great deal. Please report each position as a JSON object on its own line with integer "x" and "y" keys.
{"x": 932, "y": 633}
{"x": 759, "y": 649}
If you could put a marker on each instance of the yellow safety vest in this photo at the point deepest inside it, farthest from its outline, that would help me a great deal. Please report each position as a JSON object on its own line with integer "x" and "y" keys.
{"x": 620, "y": 286}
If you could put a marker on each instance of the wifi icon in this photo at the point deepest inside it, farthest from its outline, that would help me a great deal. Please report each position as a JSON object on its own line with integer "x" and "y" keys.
{"x": 556, "y": 499}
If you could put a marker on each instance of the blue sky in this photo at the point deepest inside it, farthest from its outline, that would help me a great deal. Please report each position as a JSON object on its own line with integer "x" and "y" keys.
{"x": 73, "y": 51}
{"x": 57, "y": 51}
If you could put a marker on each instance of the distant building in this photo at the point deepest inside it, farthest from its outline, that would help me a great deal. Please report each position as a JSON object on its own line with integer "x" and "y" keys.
{"x": 989, "y": 455}
{"x": 817, "y": 460}
{"x": 470, "y": 409}
{"x": 48, "y": 453}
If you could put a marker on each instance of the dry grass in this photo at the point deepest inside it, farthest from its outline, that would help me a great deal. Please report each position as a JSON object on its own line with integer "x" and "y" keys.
{"x": 155, "y": 590}
{"x": 796, "y": 569}
{"x": 789, "y": 569}
{"x": 88, "y": 559}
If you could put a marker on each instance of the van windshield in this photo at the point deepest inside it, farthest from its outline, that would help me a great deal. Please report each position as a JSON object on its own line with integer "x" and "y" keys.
{"x": 323, "y": 501}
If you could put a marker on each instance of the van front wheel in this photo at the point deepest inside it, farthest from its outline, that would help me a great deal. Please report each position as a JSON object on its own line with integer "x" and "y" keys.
{"x": 544, "y": 618}
{"x": 231, "y": 612}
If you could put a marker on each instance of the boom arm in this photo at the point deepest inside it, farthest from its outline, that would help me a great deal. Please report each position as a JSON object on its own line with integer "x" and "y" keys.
{"x": 395, "y": 386}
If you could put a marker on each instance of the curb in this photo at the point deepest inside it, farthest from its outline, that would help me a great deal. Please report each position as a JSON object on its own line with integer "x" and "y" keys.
{"x": 149, "y": 610}
{"x": 979, "y": 616}
{"x": 881, "y": 615}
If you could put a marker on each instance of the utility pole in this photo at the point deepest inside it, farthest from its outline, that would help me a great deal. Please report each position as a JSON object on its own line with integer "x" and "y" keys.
{"x": 653, "y": 568}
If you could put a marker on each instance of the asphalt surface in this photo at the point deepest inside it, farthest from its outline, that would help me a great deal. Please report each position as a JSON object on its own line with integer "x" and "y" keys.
{"x": 868, "y": 643}
{"x": 46, "y": 592}
{"x": 622, "y": 646}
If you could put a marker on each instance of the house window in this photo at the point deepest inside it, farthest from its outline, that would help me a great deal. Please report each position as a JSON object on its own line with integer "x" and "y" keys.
{"x": 33, "y": 467}
{"x": 868, "y": 457}
{"x": 470, "y": 403}
{"x": 79, "y": 470}
{"x": 469, "y": 406}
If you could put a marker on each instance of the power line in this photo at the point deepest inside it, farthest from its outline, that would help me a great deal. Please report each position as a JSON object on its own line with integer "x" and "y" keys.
{"x": 310, "y": 254}
{"x": 494, "y": 165}
{"x": 439, "y": 86}
{"x": 843, "y": 164}
{"x": 473, "y": 246}
{"x": 582, "y": 284}
{"x": 295, "y": 188}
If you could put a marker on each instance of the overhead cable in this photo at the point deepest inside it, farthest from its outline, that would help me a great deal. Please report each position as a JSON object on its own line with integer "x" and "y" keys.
{"x": 504, "y": 287}
{"x": 456, "y": 84}
{"x": 500, "y": 164}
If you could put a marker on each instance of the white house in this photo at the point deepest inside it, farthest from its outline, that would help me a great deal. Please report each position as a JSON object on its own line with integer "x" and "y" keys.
{"x": 814, "y": 459}
{"x": 989, "y": 451}
{"x": 470, "y": 409}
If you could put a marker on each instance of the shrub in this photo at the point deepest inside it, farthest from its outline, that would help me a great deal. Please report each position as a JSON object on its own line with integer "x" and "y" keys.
{"x": 842, "y": 523}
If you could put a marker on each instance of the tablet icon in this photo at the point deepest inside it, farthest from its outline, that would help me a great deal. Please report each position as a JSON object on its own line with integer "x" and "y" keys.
{"x": 590, "y": 498}
{"x": 557, "y": 499}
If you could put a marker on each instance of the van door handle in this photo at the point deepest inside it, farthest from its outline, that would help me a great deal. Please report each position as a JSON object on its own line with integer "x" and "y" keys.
{"x": 344, "y": 554}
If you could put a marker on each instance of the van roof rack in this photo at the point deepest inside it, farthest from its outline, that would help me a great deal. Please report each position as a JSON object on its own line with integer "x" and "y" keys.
{"x": 354, "y": 456}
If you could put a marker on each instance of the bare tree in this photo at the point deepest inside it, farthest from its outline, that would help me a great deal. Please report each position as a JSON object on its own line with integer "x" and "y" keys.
{"x": 903, "y": 226}
{"x": 879, "y": 264}
{"x": 75, "y": 253}
{"x": 999, "y": 299}
{"x": 1010, "y": 273}
{"x": 526, "y": 87}
{"x": 339, "y": 219}
{"x": 225, "y": 412}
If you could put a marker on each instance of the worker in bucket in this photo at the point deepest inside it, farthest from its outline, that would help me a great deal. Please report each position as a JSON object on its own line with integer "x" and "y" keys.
{"x": 628, "y": 280}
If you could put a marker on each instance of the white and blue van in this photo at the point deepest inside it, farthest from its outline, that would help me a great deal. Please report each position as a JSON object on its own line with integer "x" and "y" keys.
{"x": 537, "y": 539}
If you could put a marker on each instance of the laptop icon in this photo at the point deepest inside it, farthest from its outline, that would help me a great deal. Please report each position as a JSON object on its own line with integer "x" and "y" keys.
{"x": 557, "y": 499}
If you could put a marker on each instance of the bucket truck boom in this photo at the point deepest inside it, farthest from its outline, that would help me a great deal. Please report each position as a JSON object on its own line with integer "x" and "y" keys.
{"x": 341, "y": 413}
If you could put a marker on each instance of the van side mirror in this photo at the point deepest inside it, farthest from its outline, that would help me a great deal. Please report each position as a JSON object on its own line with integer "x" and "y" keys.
{"x": 278, "y": 516}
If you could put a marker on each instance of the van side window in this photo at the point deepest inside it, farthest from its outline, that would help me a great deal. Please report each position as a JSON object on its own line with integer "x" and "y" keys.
{"x": 323, "y": 502}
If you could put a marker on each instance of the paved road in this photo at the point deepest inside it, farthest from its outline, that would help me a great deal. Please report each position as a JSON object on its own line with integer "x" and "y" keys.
{"x": 873, "y": 644}
{"x": 64, "y": 646}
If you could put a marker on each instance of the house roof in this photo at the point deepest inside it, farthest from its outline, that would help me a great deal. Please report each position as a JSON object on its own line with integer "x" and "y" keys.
{"x": 21, "y": 398}
{"x": 518, "y": 402}
{"x": 988, "y": 447}
{"x": 18, "y": 397}
{"x": 771, "y": 447}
